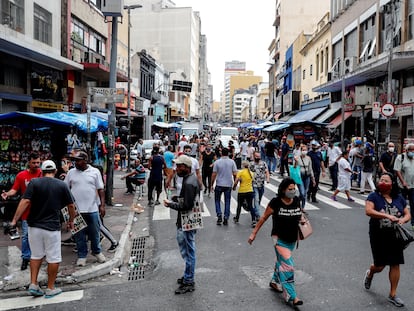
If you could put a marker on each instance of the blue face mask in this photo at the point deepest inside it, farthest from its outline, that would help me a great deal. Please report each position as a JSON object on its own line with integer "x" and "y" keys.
{"x": 410, "y": 154}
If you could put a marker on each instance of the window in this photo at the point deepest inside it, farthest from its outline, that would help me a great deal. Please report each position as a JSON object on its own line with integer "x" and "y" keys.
{"x": 12, "y": 14}
{"x": 326, "y": 60}
{"x": 42, "y": 25}
{"x": 317, "y": 66}
{"x": 321, "y": 61}
{"x": 303, "y": 74}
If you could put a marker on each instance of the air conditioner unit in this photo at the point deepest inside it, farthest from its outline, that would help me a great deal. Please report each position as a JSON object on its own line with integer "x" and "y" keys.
{"x": 350, "y": 64}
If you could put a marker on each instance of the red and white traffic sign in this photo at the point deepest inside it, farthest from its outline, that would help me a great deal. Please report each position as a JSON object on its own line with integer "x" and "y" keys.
{"x": 388, "y": 110}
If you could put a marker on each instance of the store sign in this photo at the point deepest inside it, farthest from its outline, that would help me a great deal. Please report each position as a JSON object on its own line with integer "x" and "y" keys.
{"x": 106, "y": 94}
{"x": 403, "y": 110}
{"x": 47, "y": 105}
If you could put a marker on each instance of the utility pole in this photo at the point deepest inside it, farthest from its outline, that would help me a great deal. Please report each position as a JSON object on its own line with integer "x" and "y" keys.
{"x": 389, "y": 82}
{"x": 111, "y": 120}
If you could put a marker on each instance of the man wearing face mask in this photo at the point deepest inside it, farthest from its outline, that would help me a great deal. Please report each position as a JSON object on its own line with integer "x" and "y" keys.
{"x": 404, "y": 169}
{"x": 387, "y": 159}
{"x": 186, "y": 239}
{"x": 260, "y": 175}
{"x": 207, "y": 158}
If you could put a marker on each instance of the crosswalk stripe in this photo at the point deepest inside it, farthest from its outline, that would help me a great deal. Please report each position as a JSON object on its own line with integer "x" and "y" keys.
{"x": 308, "y": 206}
{"x": 343, "y": 195}
{"x": 206, "y": 212}
{"x": 160, "y": 211}
{"x": 332, "y": 203}
{"x": 29, "y": 301}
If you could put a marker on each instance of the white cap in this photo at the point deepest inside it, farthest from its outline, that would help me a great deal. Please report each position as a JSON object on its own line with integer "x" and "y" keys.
{"x": 48, "y": 165}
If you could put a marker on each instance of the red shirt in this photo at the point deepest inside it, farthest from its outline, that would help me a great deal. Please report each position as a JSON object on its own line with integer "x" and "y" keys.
{"x": 20, "y": 184}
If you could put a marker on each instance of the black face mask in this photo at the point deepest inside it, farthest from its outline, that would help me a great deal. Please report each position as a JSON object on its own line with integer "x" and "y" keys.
{"x": 256, "y": 159}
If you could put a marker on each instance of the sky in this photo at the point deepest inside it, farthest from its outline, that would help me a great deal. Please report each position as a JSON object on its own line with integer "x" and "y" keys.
{"x": 236, "y": 30}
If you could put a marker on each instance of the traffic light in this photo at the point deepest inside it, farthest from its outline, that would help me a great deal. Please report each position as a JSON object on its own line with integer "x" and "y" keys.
{"x": 183, "y": 86}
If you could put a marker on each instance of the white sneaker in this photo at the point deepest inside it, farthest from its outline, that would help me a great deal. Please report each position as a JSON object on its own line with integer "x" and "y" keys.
{"x": 100, "y": 257}
{"x": 81, "y": 262}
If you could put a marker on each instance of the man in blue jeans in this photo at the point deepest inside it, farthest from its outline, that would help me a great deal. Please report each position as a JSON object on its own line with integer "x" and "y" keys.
{"x": 87, "y": 187}
{"x": 224, "y": 174}
{"x": 188, "y": 198}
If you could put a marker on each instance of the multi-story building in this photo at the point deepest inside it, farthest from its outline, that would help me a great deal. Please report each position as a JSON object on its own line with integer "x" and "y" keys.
{"x": 236, "y": 78}
{"x": 34, "y": 76}
{"x": 291, "y": 18}
{"x": 263, "y": 101}
{"x": 172, "y": 36}
{"x": 244, "y": 101}
{"x": 372, "y": 62}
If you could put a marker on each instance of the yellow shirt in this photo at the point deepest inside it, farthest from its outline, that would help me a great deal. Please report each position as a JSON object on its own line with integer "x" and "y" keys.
{"x": 246, "y": 180}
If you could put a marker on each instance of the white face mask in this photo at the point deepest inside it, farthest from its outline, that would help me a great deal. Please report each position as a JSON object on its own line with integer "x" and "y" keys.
{"x": 391, "y": 149}
{"x": 304, "y": 152}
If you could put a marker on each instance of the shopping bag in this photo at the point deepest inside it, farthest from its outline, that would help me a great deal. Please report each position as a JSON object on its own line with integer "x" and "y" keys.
{"x": 403, "y": 235}
{"x": 193, "y": 219}
{"x": 294, "y": 173}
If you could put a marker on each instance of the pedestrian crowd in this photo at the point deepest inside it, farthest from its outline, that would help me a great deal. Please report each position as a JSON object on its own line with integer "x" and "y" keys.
{"x": 216, "y": 167}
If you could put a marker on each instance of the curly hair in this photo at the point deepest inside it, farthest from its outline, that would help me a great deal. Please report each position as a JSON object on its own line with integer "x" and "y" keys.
{"x": 284, "y": 184}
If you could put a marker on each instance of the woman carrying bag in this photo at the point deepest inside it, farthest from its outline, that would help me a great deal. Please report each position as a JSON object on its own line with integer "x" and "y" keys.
{"x": 386, "y": 207}
{"x": 286, "y": 213}
{"x": 306, "y": 173}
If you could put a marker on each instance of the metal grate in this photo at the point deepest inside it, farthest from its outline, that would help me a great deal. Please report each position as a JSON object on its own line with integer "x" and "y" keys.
{"x": 136, "y": 268}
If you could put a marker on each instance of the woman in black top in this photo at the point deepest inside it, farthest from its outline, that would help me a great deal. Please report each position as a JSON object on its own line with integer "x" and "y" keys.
{"x": 286, "y": 213}
{"x": 206, "y": 161}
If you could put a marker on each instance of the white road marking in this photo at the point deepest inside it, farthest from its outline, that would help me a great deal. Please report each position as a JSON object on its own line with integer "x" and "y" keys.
{"x": 29, "y": 301}
{"x": 160, "y": 211}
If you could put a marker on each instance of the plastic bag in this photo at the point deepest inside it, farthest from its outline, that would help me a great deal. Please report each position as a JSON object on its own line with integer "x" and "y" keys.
{"x": 294, "y": 173}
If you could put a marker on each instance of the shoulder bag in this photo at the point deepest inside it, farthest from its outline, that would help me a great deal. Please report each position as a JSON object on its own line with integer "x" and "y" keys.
{"x": 403, "y": 235}
{"x": 305, "y": 228}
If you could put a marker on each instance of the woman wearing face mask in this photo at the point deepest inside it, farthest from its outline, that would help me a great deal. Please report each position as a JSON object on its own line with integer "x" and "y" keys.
{"x": 306, "y": 173}
{"x": 286, "y": 213}
{"x": 207, "y": 159}
{"x": 386, "y": 207}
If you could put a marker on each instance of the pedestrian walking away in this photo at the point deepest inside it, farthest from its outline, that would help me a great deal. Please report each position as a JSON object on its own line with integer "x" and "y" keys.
{"x": 286, "y": 213}
{"x": 156, "y": 165}
{"x": 46, "y": 196}
{"x": 86, "y": 185}
{"x": 245, "y": 193}
{"x": 190, "y": 192}
{"x": 19, "y": 187}
{"x": 284, "y": 161}
{"x": 224, "y": 173}
{"x": 344, "y": 177}
{"x": 386, "y": 208}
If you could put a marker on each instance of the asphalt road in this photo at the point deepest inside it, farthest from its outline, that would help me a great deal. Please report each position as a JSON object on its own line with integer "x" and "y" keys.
{"x": 233, "y": 275}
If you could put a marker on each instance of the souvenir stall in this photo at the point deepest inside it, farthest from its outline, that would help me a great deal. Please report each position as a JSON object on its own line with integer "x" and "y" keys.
{"x": 50, "y": 135}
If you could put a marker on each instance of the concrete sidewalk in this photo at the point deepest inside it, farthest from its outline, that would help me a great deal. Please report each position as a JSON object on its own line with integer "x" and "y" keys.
{"x": 119, "y": 219}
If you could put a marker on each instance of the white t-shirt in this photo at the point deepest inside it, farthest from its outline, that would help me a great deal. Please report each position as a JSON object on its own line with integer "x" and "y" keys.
{"x": 343, "y": 164}
{"x": 333, "y": 154}
{"x": 84, "y": 186}
{"x": 243, "y": 147}
{"x": 181, "y": 145}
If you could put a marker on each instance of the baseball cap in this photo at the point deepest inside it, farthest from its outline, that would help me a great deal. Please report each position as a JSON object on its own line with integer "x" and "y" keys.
{"x": 183, "y": 159}
{"x": 80, "y": 155}
{"x": 48, "y": 165}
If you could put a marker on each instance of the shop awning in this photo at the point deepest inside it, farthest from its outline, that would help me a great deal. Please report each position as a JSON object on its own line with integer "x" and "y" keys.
{"x": 16, "y": 97}
{"x": 276, "y": 127}
{"x": 58, "y": 118}
{"x": 244, "y": 125}
{"x": 166, "y": 125}
{"x": 327, "y": 114}
{"x": 261, "y": 125}
{"x": 338, "y": 120}
{"x": 125, "y": 112}
{"x": 306, "y": 115}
